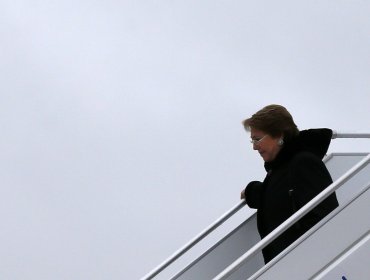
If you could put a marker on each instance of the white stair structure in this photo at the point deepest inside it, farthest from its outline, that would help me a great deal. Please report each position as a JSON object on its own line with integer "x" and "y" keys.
{"x": 338, "y": 247}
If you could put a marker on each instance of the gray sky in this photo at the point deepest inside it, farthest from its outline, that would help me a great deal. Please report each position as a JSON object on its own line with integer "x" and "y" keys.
{"x": 121, "y": 120}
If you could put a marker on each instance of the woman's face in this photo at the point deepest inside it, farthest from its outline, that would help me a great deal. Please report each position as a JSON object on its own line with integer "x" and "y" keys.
{"x": 266, "y": 145}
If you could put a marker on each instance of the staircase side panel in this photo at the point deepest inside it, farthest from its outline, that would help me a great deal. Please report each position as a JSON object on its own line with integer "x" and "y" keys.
{"x": 329, "y": 241}
{"x": 222, "y": 254}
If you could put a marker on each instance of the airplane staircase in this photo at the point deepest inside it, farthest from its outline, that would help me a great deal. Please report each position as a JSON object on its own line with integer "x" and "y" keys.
{"x": 338, "y": 247}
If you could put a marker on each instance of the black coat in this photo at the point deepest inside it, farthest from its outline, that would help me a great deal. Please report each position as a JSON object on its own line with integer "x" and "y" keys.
{"x": 295, "y": 176}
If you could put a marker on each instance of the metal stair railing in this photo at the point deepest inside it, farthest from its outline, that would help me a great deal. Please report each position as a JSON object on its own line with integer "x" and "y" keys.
{"x": 294, "y": 218}
{"x": 263, "y": 243}
{"x": 349, "y": 135}
{"x": 194, "y": 241}
{"x": 330, "y": 216}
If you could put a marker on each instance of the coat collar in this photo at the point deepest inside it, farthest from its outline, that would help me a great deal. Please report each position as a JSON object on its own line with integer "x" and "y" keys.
{"x": 316, "y": 141}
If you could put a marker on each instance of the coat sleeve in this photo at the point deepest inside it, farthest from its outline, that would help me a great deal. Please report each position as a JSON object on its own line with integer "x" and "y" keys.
{"x": 310, "y": 177}
{"x": 253, "y": 194}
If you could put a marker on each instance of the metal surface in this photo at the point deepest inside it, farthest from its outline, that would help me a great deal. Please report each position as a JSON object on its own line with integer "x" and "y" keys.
{"x": 354, "y": 261}
{"x": 194, "y": 241}
{"x": 349, "y": 135}
{"x": 334, "y": 239}
{"x": 224, "y": 252}
{"x": 289, "y": 257}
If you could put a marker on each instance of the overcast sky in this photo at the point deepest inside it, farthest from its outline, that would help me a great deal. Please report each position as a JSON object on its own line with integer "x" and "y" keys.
{"x": 121, "y": 120}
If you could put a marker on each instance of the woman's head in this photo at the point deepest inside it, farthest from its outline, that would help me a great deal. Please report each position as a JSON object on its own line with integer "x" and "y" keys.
{"x": 274, "y": 120}
{"x": 270, "y": 127}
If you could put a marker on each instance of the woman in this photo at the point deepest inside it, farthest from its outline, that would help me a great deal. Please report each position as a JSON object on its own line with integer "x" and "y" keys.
{"x": 295, "y": 175}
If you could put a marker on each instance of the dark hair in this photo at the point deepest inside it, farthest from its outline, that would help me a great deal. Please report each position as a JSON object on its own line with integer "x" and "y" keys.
{"x": 275, "y": 120}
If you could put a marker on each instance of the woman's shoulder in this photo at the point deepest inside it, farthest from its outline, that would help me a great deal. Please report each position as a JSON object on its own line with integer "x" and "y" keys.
{"x": 307, "y": 164}
{"x": 304, "y": 157}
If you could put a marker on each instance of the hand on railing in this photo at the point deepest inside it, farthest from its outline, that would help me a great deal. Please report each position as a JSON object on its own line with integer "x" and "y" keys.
{"x": 242, "y": 194}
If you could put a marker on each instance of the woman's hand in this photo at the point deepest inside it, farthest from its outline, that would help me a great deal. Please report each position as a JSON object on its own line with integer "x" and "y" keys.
{"x": 242, "y": 194}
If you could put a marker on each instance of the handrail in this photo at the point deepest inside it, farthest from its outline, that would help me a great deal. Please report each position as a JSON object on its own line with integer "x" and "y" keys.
{"x": 342, "y": 206}
{"x": 227, "y": 215}
{"x": 294, "y": 218}
{"x": 194, "y": 241}
{"x": 331, "y": 155}
{"x": 349, "y": 135}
